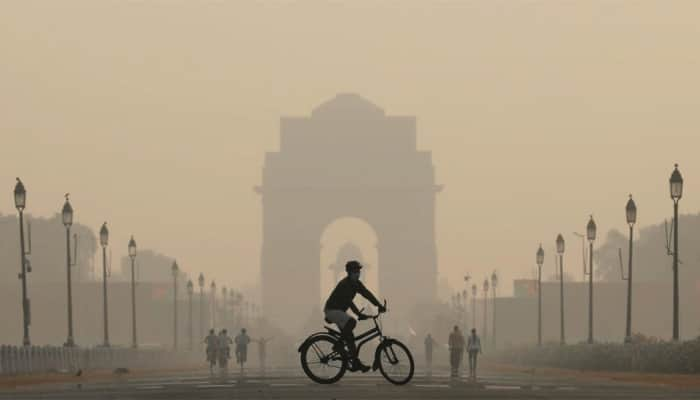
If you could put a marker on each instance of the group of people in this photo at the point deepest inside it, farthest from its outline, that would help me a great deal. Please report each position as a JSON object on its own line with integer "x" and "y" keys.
{"x": 218, "y": 349}
{"x": 457, "y": 347}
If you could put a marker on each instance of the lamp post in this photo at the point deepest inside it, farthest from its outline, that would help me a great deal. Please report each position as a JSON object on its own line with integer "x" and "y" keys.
{"x": 190, "y": 291}
{"x": 474, "y": 293}
{"x": 200, "y": 280}
{"x": 213, "y": 305}
{"x": 590, "y": 235}
{"x": 560, "y": 251}
{"x": 175, "y": 269}
{"x": 486, "y": 301}
{"x": 464, "y": 310}
{"x": 104, "y": 240}
{"x": 540, "y": 260}
{"x": 132, "y": 256}
{"x": 494, "y": 284}
{"x": 20, "y": 203}
{"x": 224, "y": 316}
{"x": 631, "y": 214}
{"x": 67, "y": 215}
{"x": 676, "y": 187}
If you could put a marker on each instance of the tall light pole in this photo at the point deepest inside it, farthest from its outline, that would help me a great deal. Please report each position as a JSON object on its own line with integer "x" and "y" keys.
{"x": 560, "y": 251}
{"x": 224, "y": 316}
{"x": 20, "y": 203}
{"x": 590, "y": 235}
{"x": 464, "y": 310}
{"x": 676, "y": 186}
{"x": 486, "y": 301}
{"x": 190, "y": 291}
{"x": 540, "y": 260}
{"x": 474, "y": 293}
{"x": 67, "y": 215}
{"x": 200, "y": 280}
{"x": 176, "y": 270}
{"x": 213, "y": 305}
{"x": 631, "y": 214}
{"x": 494, "y": 284}
{"x": 132, "y": 256}
{"x": 104, "y": 240}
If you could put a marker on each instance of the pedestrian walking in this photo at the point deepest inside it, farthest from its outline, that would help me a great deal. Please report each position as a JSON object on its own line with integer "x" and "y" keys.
{"x": 224, "y": 350}
{"x": 242, "y": 341}
{"x": 455, "y": 344}
{"x": 429, "y": 343}
{"x": 262, "y": 351}
{"x": 473, "y": 349}
{"x": 212, "y": 342}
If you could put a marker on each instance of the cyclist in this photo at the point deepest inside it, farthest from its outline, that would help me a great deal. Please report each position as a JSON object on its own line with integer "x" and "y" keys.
{"x": 337, "y": 306}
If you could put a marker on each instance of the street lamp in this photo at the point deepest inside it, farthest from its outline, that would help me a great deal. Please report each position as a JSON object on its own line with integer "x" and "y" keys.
{"x": 494, "y": 284}
{"x": 104, "y": 240}
{"x": 213, "y": 305}
{"x": 200, "y": 280}
{"x": 590, "y": 235}
{"x": 20, "y": 203}
{"x": 67, "y": 215}
{"x": 190, "y": 291}
{"x": 631, "y": 214}
{"x": 474, "y": 293}
{"x": 175, "y": 270}
{"x": 540, "y": 260}
{"x": 224, "y": 316}
{"x": 464, "y": 309}
{"x": 560, "y": 251}
{"x": 486, "y": 301}
{"x": 132, "y": 256}
{"x": 676, "y": 186}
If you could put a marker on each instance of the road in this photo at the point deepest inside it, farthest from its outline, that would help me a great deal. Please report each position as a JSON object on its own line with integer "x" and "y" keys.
{"x": 291, "y": 385}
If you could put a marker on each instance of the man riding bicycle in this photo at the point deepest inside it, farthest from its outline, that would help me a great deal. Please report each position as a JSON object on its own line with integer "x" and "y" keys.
{"x": 338, "y": 303}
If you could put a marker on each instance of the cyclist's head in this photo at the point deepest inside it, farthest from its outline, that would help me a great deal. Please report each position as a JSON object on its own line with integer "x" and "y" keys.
{"x": 473, "y": 331}
{"x": 456, "y": 328}
{"x": 211, "y": 331}
{"x": 224, "y": 331}
{"x": 243, "y": 330}
{"x": 353, "y": 269}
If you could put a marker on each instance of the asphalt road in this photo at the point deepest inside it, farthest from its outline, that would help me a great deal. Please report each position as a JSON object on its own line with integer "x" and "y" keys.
{"x": 292, "y": 385}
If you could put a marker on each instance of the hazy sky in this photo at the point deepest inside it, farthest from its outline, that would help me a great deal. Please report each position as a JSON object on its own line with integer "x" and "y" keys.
{"x": 156, "y": 115}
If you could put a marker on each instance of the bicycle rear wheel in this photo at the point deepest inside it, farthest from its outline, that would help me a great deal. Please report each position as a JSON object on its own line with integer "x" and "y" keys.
{"x": 395, "y": 362}
{"x": 320, "y": 362}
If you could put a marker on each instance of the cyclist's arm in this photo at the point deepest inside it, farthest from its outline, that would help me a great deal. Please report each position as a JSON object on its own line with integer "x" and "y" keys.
{"x": 368, "y": 295}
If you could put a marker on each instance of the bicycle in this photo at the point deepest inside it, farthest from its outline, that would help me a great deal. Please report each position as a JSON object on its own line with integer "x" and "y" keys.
{"x": 322, "y": 363}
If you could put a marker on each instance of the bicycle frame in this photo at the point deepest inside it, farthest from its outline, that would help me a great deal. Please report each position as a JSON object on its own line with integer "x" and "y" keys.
{"x": 369, "y": 335}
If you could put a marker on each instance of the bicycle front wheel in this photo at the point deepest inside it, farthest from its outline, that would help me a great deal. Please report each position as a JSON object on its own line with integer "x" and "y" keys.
{"x": 395, "y": 362}
{"x": 320, "y": 362}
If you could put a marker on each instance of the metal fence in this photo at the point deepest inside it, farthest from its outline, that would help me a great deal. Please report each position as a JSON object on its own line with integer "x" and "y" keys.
{"x": 37, "y": 359}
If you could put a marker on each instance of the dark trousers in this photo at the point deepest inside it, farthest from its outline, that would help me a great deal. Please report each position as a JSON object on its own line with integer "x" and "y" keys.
{"x": 472, "y": 362}
{"x": 455, "y": 359}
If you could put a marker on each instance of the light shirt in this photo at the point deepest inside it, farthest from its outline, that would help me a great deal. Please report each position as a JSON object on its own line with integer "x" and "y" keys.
{"x": 474, "y": 343}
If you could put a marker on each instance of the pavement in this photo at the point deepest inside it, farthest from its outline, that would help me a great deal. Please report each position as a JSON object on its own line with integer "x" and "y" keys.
{"x": 292, "y": 384}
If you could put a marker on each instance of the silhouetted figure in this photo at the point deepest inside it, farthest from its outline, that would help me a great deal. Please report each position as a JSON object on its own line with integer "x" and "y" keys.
{"x": 456, "y": 347}
{"x": 262, "y": 351}
{"x": 473, "y": 349}
{"x": 337, "y": 306}
{"x": 429, "y": 343}
{"x": 212, "y": 342}
{"x": 223, "y": 350}
{"x": 242, "y": 341}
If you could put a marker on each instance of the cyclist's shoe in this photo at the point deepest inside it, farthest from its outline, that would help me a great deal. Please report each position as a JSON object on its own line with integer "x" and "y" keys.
{"x": 357, "y": 365}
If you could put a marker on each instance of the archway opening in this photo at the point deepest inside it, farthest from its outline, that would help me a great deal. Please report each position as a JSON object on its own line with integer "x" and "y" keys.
{"x": 346, "y": 239}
